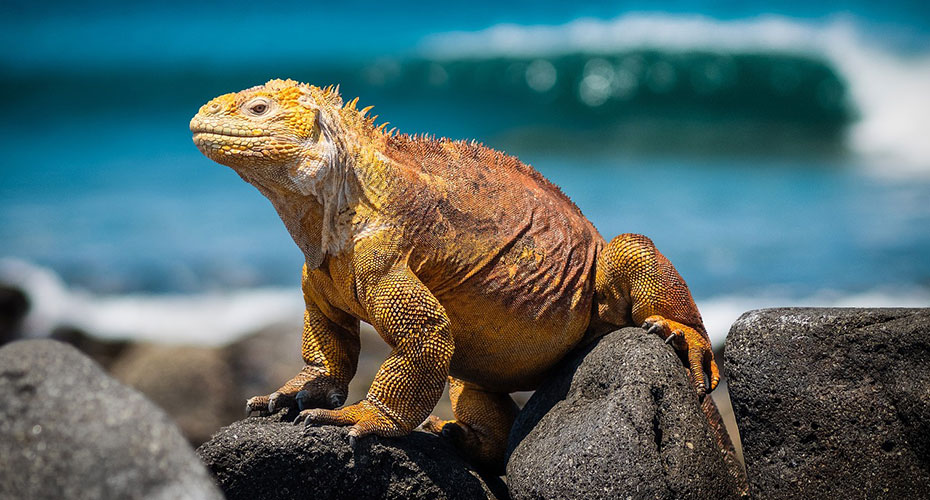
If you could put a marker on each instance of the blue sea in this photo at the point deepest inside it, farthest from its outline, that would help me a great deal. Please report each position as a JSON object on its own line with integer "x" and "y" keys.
{"x": 778, "y": 153}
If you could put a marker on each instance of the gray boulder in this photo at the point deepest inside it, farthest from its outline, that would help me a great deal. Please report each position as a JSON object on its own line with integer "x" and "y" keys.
{"x": 67, "y": 430}
{"x": 270, "y": 458}
{"x": 833, "y": 403}
{"x": 619, "y": 419}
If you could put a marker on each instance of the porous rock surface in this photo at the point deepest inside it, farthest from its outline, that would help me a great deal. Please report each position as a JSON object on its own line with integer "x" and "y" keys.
{"x": 619, "y": 419}
{"x": 833, "y": 403}
{"x": 68, "y": 430}
{"x": 271, "y": 458}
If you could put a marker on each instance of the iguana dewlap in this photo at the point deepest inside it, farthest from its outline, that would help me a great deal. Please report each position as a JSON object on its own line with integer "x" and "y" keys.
{"x": 469, "y": 263}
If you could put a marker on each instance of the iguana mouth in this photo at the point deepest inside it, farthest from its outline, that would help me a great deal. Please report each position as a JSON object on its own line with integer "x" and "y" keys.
{"x": 228, "y": 134}
{"x": 225, "y": 132}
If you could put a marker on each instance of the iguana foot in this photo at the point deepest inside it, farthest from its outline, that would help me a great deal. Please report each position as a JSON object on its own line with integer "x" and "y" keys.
{"x": 484, "y": 452}
{"x": 692, "y": 345}
{"x": 277, "y": 401}
{"x": 263, "y": 405}
{"x": 449, "y": 429}
{"x": 460, "y": 433}
{"x": 309, "y": 389}
{"x": 364, "y": 418}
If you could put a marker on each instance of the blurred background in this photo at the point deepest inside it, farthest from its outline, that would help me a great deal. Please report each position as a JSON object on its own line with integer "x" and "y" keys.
{"x": 777, "y": 152}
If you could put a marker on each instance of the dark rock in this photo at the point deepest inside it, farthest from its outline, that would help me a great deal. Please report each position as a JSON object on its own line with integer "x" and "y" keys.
{"x": 619, "y": 419}
{"x": 67, "y": 430}
{"x": 193, "y": 384}
{"x": 13, "y": 308}
{"x": 833, "y": 403}
{"x": 269, "y": 457}
{"x": 204, "y": 388}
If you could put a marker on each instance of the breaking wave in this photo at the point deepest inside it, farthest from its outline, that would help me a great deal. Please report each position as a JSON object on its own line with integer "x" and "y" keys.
{"x": 830, "y": 72}
{"x": 211, "y": 318}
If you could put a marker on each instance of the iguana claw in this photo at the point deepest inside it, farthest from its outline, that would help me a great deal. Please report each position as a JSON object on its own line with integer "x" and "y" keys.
{"x": 303, "y": 400}
{"x": 651, "y": 327}
{"x": 278, "y": 401}
{"x": 256, "y": 404}
{"x": 692, "y": 345}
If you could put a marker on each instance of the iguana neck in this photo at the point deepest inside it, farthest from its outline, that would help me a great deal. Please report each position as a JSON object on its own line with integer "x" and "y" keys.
{"x": 319, "y": 211}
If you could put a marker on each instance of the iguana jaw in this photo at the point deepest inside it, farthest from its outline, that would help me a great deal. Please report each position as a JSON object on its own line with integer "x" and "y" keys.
{"x": 295, "y": 150}
{"x": 220, "y": 147}
{"x": 241, "y": 146}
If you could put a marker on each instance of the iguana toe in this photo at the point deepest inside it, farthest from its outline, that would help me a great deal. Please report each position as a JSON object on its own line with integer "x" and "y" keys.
{"x": 434, "y": 424}
{"x": 270, "y": 404}
{"x": 447, "y": 429}
{"x": 306, "y": 400}
{"x": 651, "y": 327}
{"x": 278, "y": 401}
{"x": 363, "y": 417}
{"x": 693, "y": 346}
{"x": 256, "y": 404}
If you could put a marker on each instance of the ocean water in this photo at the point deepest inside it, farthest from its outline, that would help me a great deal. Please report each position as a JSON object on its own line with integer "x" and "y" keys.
{"x": 777, "y": 153}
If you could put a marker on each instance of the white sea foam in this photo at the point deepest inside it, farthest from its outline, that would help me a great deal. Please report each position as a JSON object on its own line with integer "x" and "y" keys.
{"x": 891, "y": 92}
{"x": 207, "y": 318}
{"x": 217, "y": 318}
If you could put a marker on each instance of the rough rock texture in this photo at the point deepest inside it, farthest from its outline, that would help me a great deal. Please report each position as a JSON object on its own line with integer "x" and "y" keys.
{"x": 269, "y": 457}
{"x": 618, "y": 420}
{"x": 205, "y": 388}
{"x": 833, "y": 403}
{"x": 67, "y": 430}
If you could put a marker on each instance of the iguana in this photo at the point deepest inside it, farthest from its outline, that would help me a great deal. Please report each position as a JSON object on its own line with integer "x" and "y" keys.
{"x": 469, "y": 263}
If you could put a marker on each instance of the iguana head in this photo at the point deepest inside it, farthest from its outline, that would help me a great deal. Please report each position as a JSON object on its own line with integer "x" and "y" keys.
{"x": 278, "y": 135}
{"x": 292, "y": 141}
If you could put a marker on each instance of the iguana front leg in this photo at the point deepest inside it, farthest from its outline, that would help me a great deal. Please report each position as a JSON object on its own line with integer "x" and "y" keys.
{"x": 411, "y": 380}
{"x": 330, "y": 349}
{"x": 635, "y": 283}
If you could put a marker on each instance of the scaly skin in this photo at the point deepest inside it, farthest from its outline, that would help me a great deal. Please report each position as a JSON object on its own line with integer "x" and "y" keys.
{"x": 467, "y": 262}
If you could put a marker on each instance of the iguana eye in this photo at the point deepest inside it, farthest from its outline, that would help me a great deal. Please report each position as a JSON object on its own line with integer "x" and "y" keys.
{"x": 258, "y": 107}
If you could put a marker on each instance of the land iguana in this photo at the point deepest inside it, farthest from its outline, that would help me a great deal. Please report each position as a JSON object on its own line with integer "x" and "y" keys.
{"x": 470, "y": 264}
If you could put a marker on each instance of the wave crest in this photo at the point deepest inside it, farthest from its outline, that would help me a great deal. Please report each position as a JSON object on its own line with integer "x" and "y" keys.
{"x": 887, "y": 90}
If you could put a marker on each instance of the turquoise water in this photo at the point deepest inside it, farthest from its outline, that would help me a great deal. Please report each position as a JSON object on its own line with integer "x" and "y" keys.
{"x": 767, "y": 155}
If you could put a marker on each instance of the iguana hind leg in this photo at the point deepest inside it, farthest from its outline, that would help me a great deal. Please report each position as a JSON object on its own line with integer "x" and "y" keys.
{"x": 482, "y": 423}
{"x": 637, "y": 285}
